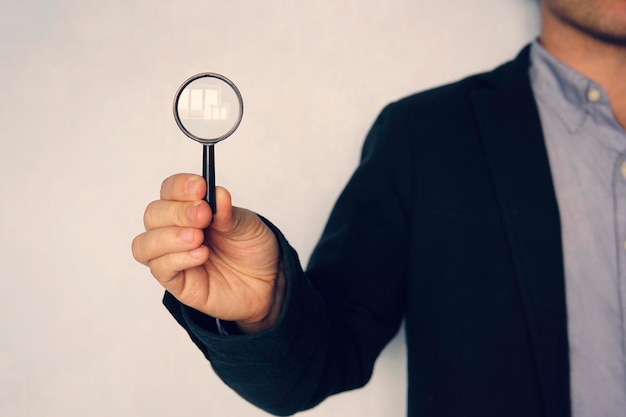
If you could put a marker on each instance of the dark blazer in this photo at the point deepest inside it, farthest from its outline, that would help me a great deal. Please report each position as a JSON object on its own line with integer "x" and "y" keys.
{"x": 451, "y": 224}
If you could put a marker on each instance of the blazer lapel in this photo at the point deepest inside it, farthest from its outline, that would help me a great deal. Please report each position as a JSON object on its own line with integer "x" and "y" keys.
{"x": 513, "y": 141}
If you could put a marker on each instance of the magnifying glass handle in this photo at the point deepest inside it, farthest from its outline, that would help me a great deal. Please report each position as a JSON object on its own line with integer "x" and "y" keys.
{"x": 208, "y": 172}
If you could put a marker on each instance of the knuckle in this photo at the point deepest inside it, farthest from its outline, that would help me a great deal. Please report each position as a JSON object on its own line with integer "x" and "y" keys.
{"x": 166, "y": 185}
{"x": 158, "y": 266}
{"x": 161, "y": 269}
{"x": 154, "y": 268}
{"x": 172, "y": 186}
{"x": 139, "y": 250}
{"x": 181, "y": 213}
{"x": 134, "y": 248}
{"x": 149, "y": 215}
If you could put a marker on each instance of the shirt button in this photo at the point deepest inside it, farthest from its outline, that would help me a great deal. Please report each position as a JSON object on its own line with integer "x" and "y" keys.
{"x": 622, "y": 169}
{"x": 593, "y": 94}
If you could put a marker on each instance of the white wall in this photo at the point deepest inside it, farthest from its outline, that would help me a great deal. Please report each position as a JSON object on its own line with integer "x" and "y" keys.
{"x": 87, "y": 136}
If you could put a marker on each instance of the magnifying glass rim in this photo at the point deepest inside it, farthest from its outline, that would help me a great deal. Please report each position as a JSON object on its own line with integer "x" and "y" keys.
{"x": 177, "y": 98}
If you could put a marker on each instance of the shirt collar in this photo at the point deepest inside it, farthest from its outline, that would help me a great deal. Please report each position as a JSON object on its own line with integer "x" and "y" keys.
{"x": 561, "y": 87}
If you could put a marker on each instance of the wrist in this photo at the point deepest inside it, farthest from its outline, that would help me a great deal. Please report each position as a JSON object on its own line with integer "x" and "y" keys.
{"x": 271, "y": 318}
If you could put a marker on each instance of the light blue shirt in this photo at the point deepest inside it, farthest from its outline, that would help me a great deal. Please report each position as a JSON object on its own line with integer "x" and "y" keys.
{"x": 587, "y": 152}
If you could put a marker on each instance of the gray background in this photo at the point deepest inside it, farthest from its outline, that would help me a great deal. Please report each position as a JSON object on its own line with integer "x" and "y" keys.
{"x": 87, "y": 135}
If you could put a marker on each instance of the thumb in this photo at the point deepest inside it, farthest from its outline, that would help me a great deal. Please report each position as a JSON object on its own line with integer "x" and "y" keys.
{"x": 223, "y": 216}
{"x": 232, "y": 222}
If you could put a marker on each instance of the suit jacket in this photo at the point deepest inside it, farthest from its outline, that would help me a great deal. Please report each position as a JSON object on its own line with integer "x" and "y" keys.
{"x": 451, "y": 224}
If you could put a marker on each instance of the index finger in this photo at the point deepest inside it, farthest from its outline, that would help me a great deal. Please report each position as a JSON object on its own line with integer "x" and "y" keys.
{"x": 183, "y": 187}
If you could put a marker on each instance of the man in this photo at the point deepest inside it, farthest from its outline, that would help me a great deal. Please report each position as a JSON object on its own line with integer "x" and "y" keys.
{"x": 489, "y": 214}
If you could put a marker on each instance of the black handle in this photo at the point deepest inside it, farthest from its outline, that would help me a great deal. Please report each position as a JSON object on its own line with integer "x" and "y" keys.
{"x": 208, "y": 172}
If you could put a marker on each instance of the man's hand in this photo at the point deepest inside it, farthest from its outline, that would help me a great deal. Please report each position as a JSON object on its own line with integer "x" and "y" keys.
{"x": 226, "y": 266}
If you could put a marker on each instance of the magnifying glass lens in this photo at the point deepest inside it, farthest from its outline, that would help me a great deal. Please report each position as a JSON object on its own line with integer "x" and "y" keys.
{"x": 208, "y": 108}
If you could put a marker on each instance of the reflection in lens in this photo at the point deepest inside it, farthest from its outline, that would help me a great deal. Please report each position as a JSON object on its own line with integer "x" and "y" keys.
{"x": 208, "y": 108}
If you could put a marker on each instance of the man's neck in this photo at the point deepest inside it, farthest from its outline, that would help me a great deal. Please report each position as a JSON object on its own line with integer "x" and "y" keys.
{"x": 601, "y": 61}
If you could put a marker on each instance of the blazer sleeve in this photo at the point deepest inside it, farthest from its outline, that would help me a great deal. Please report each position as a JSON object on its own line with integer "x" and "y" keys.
{"x": 341, "y": 312}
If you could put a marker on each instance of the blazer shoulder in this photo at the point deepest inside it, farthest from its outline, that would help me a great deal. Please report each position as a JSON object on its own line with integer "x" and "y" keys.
{"x": 451, "y": 95}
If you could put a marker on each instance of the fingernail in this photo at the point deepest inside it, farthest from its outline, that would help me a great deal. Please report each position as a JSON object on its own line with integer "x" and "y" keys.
{"x": 191, "y": 187}
{"x": 196, "y": 253}
{"x": 192, "y": 212}
{"x": 186, "y": 235}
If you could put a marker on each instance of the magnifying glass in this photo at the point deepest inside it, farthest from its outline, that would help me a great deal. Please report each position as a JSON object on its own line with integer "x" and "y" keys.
{"x": 208, "y": 108}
